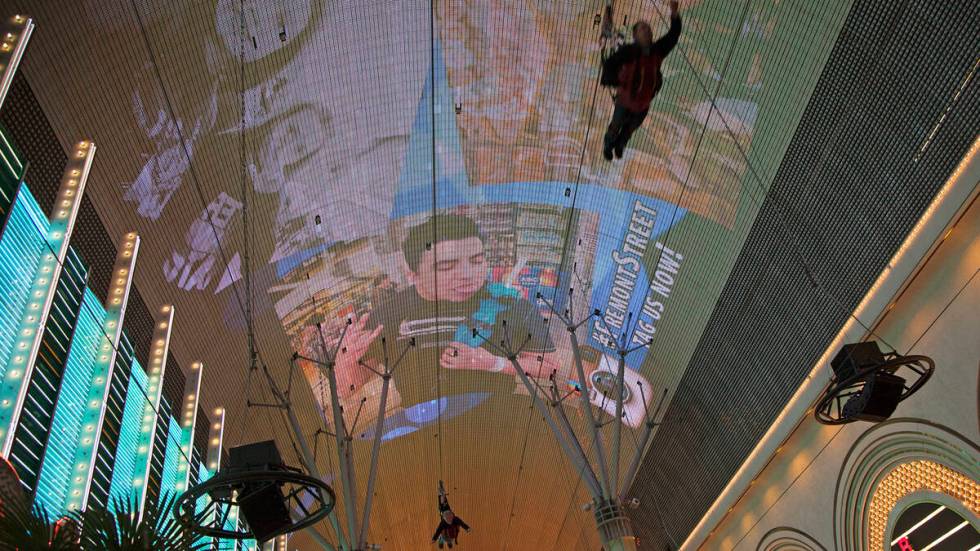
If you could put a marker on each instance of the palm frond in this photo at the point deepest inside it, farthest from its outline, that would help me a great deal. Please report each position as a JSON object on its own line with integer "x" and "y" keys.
{"x": 27, "y": 528}
{"x": 122, "y": 528}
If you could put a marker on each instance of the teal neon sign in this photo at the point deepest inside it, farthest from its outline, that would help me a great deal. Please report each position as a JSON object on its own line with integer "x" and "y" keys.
{"x": 94, "y": 411}
{"x": 16, "y": 368}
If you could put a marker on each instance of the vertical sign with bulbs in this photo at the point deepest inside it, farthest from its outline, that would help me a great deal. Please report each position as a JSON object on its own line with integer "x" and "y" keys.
{"x": 188, "y": 418}
{"x": 216, "y": 435}
{"x": 16, "y": 370}
{"x": 88, "y": 444}
{"x": 16, "y": 32}
{"x": 159, "y": 350}
{"x": 216, "y": 438}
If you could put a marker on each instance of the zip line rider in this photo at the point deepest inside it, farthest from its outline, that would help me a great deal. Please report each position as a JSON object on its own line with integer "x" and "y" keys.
{"x": 449, "y": 524}
{"x": 634, "y": 70}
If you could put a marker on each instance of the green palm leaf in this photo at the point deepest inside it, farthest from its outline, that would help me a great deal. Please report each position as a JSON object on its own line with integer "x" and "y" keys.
{"x": 123, "y": 529}
{"x": 24, "y": 528}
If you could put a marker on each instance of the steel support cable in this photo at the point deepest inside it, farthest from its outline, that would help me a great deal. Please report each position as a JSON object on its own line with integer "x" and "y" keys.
{"x": 193, "y": 172}
{"x": 757, "y": 180}
{"x": 840, "y": 427}
{"x": 561, "y": 264}
{"x": 788, "y": 237}
{"x": 571, "y": 501}
{"x": 435, "y": 208}
{"x": 870, "y": 330}
{"x": 246, "y": 271}
{"x": 690, "y": 169}
{"x": 246, "y": 310}
{"x": 626, "y": 337}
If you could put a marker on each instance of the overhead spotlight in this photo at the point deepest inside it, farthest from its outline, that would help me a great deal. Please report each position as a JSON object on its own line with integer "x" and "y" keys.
{"x": 867, "y": 386}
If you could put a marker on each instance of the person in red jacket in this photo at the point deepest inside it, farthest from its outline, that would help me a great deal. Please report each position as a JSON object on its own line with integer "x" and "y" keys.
{"x": 635, "y": 72}
{"x": 448, "y": 529}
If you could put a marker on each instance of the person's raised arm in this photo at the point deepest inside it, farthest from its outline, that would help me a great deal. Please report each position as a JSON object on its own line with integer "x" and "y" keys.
{"x": 667, "y": 42}
{"x": 357, "y": 341}
{"x": 463, "y": 524}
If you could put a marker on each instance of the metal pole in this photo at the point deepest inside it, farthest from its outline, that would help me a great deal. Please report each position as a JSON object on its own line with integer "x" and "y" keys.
{"x": 340, "y": 433}
{"x": 581, "y": 461}
{"x": 375, "y": 452}
{"x": 637, "y": 457}
{"x": 589, "y": 416}
{"x": 352, "y": 483}
{"x": 618, "y": 427}
{"x": 307, "y": 458}
{"x": 571, "y": 433}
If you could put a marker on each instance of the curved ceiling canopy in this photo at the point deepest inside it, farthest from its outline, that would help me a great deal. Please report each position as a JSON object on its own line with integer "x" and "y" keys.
{"x": 342, "y": 128}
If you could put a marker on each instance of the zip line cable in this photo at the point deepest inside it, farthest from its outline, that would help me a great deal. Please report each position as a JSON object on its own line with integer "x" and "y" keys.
{"x": 194, "y": 178}
{"x": 435, "y": 207}
{"x": 758, "y": 182}
{"x": 561, "y": 263}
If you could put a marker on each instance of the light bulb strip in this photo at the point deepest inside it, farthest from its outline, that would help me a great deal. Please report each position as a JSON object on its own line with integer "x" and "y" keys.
{"x": 88, "y": 443}
{"x": 16, "y": 32}
{"x": 30, "y": 332}
{"x": 159, "y": 352}
{"x": 216, "y": 437}
{"x": 213, "y": 461}
{"x": 188, "y": 418}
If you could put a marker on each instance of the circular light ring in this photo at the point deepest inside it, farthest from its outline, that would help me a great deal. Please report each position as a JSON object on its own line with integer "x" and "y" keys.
{"x": 229, "y": 482}
{"x": 828, "y": 410}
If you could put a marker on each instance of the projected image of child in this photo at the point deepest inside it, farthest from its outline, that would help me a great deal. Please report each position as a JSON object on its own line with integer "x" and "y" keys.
{"x": 448, "y": 297}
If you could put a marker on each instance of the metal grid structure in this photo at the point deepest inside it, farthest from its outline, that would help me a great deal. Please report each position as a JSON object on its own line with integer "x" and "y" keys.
{"x": 818, "y": 205}
{"x": 862, "y": 167}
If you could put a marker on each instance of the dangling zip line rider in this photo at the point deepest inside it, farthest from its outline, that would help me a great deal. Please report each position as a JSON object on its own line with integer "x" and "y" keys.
{"x": 634, "y": 70}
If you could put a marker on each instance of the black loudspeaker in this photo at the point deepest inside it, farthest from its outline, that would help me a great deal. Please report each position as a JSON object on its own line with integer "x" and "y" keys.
{"x": 877, "y": 400}
{"x": 258, "y": 456}
{"x": 261, "y": 504}
{"x": 264, "y": 509}
{"x": 856, "y": 357}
